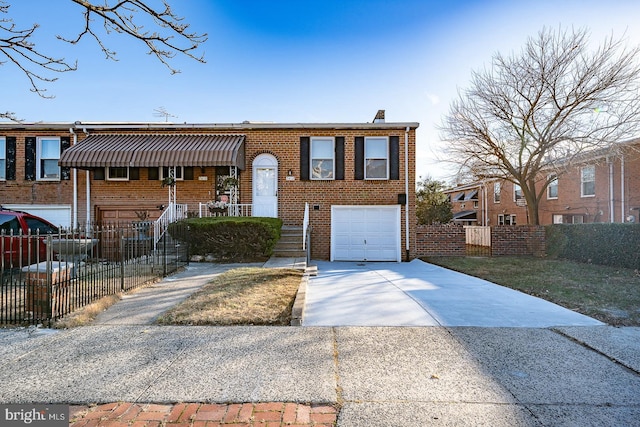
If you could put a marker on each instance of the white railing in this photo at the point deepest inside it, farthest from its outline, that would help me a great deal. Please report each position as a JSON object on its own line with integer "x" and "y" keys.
{"x": 305, "y": 226}
{"x": 231, "y": 210}
{"x": 174, "y": 212}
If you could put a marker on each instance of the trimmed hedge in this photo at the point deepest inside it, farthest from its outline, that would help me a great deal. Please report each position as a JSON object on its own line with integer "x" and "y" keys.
{"x": 233, "y": 238}
{"x": 613, "y": 244}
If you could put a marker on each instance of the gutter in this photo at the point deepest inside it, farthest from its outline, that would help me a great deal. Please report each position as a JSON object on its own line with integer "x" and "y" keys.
{"x": 406, "y": 191}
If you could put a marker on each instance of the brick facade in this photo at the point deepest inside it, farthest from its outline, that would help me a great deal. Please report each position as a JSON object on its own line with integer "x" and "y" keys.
{"x": 119, "y": 200}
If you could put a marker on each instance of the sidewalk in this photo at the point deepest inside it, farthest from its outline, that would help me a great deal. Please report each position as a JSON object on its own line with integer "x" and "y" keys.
{"x": 373, "y": 376}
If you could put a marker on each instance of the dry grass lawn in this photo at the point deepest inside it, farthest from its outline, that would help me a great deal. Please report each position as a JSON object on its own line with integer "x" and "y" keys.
{"x": 242, "y": 296}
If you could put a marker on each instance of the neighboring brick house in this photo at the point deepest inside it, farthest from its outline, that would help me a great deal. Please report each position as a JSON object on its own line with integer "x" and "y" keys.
{"x": 357, "y": 178}
{"x": 600, "y": 188}
{"x": 468, "y": 203}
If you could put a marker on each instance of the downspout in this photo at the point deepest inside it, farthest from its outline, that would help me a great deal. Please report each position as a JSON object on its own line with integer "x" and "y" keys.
{"x": 622, "y": 195}
{"x": 406, "y": 190}
{"x": 74, "y": 220}
{"x": 611, "y": 198}
{"x": 87, "y": 191}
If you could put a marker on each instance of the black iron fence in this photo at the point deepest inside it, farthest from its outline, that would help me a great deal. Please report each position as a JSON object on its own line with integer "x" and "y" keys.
{"x": 45, "y": 277}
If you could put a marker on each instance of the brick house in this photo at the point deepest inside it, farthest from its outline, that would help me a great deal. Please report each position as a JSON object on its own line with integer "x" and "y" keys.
{"x": 356, "y": 178}
{"x": 603, "y": 187}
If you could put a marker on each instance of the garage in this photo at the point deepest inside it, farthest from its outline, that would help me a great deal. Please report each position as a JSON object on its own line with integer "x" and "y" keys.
{"x": 365, "y": 233}
{"x": 59, "y": 215}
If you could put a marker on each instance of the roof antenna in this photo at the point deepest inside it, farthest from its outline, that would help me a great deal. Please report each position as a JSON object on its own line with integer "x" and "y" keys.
{"x": 162, "y": 112}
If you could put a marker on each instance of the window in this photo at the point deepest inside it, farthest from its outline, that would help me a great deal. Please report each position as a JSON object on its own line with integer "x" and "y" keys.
{"x": 117, "y": 174}
{"x": 496, "y": 192}
{"x": 322, "y": 158}
{"x": 376, "y": 158}
{"x": 588, "y": 181}
{"x": 48, "y": 154}
{"x": 506, "y": 219}
{"x": 517, "y": 193}
{"x": 475, "y": 204}
{"x": 179, "y": 174}
{"x": 3, "y": 158}
{"x": 558, "y": 219}
{"x": 552, "y": 189}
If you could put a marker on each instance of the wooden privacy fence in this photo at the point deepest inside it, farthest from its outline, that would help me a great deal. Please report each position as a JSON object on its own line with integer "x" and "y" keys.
{"x": 477, "y": 235}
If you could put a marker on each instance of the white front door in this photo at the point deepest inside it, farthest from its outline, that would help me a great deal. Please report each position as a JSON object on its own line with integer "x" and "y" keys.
{"x": 265, "y": 186}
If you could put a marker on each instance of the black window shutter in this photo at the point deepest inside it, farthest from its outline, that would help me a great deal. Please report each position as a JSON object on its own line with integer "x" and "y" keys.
{"x": 98, "y": 174}
{"x": 304, "y": 157}
{"x": 188, "y": 173}
{"x": 134, "y": 174}
{"x": 30, "y": 158}
{"x": 153, "y": 174}
{"x": 11, "y": 158}
{"x": 339, "y": 157}
{"x": 359, "y": 158}
{"x": 394, "y": 157}
{"x": 65, "y": 172}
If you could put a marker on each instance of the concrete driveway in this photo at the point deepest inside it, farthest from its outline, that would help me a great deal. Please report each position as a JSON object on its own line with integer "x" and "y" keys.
{"x": 421, "y": 294}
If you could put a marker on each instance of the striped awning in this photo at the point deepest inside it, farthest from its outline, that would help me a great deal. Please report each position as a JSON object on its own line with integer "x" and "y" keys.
{"x": 126, "y": 150}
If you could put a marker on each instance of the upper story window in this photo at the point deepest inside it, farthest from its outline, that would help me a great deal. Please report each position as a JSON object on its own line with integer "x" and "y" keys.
{"x": 322, "y": 158}
{"x": 3, "y": 158}
{"x": 588, "y": 181}
{"x": 376, "y": 157}
{"x": 48, "y": 154}
{"x": 497, "y": 188}
{"x": 517, "y": 193}
{"x": 552, "y": 189}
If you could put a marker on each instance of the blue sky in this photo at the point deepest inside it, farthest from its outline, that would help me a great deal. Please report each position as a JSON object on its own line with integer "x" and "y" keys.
{"x": 299, "y": 61}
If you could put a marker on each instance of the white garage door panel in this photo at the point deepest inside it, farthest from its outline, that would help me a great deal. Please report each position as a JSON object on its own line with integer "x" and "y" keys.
{"x": 365, "y": 233}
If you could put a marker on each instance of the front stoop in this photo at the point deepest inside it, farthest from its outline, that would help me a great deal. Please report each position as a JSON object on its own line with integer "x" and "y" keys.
{"x": 290, "y": 243}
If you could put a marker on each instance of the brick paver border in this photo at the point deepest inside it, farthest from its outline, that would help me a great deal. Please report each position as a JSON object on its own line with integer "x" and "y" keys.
{"x": 272, "y": 414}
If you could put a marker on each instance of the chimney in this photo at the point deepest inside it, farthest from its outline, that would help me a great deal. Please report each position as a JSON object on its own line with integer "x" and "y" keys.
{"x": 379, "y": 117}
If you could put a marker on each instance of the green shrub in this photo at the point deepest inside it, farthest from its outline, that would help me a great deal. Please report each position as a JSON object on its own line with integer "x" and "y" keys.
{"x": 236, "y": 239}
{"x": 611, "y": 244}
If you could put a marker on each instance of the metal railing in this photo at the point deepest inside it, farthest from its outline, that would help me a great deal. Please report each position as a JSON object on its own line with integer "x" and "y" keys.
{"x": 46, "y": 277}
{"x": 235, "y": 209}
{"x": 305, "y": 226}
{"x": 173, "y": 212}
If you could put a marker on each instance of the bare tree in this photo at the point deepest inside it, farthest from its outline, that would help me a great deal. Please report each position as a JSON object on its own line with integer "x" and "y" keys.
{"x": 532, "y": 114}
{"x": 168, "y": 36}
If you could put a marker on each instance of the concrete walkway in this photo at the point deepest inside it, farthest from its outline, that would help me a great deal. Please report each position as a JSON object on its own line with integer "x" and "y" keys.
{"x": 420, "y": 294}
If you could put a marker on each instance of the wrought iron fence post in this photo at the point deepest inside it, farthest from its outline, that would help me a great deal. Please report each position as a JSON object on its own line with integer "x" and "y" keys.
{"x": 49, "y": 279}
{"x": 164, "y": 255}
{"x": 122, "y": 258}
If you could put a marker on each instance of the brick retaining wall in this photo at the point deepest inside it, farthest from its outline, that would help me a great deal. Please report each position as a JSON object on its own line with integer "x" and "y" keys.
{"x": 440, "y": 240}
{"x": 450, "y": 240}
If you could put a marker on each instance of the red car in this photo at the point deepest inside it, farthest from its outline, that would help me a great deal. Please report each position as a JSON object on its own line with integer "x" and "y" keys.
{"x": 22, "y": 238}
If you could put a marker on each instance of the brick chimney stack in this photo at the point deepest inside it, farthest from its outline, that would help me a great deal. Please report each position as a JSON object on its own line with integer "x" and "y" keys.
{"x": 379, "y": 117}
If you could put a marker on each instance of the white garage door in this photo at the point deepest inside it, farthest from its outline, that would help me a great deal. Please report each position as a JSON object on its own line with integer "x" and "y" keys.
{"x": 365, "y": 233}
{"x": 59, "y": 215}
